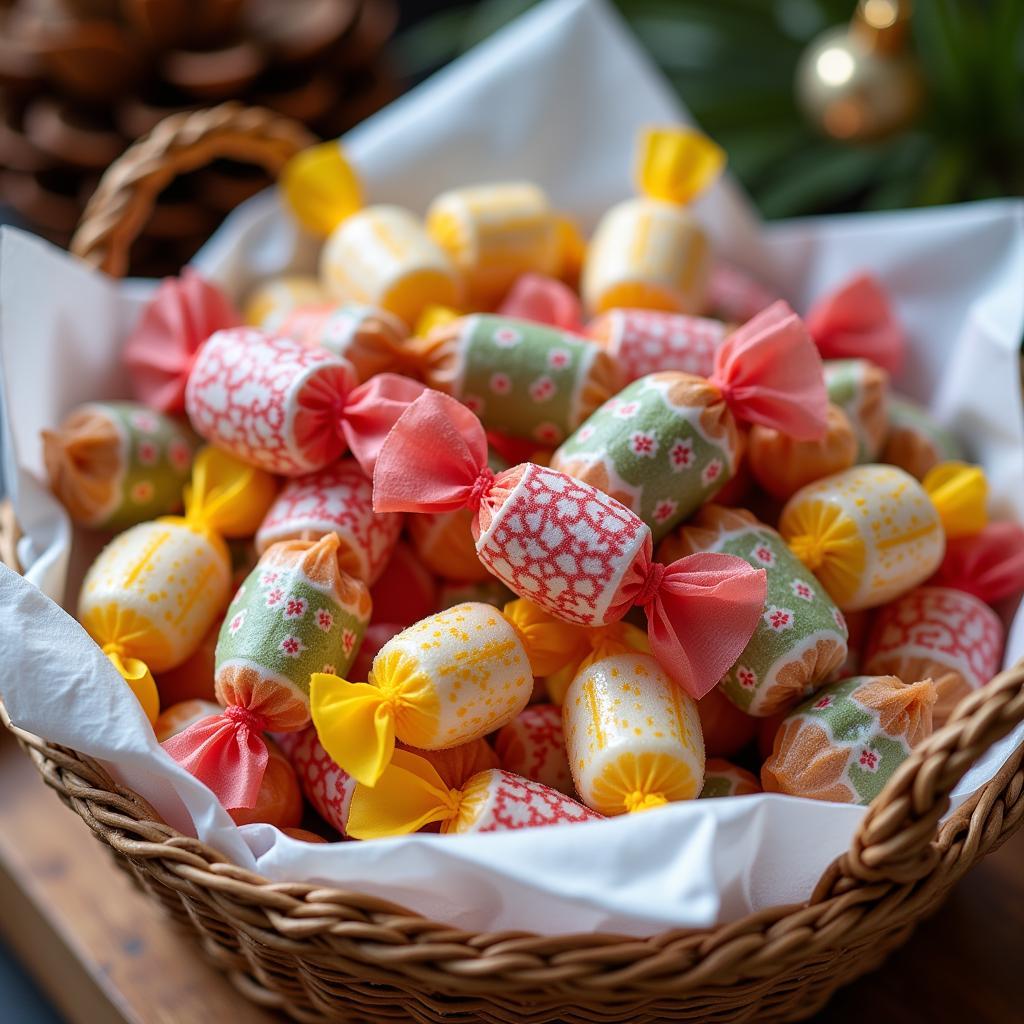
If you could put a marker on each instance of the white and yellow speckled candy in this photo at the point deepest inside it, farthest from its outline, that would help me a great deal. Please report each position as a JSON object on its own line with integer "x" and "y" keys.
{"x": 271, "y": 303}
{"x": 647, "y": 254}
{"x": 869, "y": 534}
{"x": 495, "y": 233}
{"x": 633, "y": 737}
{"x": 383, "y": 256}
{"x": 156, "y": 588}
{"x": 464, "y": 671}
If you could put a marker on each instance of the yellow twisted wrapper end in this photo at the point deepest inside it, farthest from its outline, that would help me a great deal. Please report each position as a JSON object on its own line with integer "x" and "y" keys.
{"x": 549, "y": 643}
{"x": 960, "y": 494}
{"x": 138, "y": 677}
{"x": 320, "y": 188}
{"x": 227, "y": 497}
{"x": 676, "y": 164}
{"x": 432, "y": 317}
{"x": 409, "y": 794}
{"x": 638, "y": 801}
{"x": 603, "y": 642}
{"x": 355, "y": 723}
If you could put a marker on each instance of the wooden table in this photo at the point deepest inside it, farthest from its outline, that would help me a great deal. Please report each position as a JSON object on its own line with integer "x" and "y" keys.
{"x": 105, "y": 955}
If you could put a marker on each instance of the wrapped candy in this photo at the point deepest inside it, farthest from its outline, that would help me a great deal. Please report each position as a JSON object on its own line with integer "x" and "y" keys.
{"x": 336, "y": 499}
{"x": 615, "y": 635}
{"x": 376, "y": 636}
{"x": 533, "y": 745}
{"x": 846, "y": 741}
{"x": 286, "y": 408}
{"x": 489, "y": 591}
{"x": 411, "y": 795}
{"x": 545, "y": 300}
{"x": 405, "y": 591}
{"x": 279, "y": 801}
{"x": 857, "y": 626}
{"x": 782, "y": 465}
{"x": 521, "y": 378}
{"x": 734, "y": 295}
{"x": 861, "y": 390}
{"x": 115, "y": 464}
{"x": 155, "y": 589}
{"x": 916, "y": 441}
{"x": 643, "y": 341}
{"x": 325, "y": 785}
{"x": 178, "y": 717}
{"x": 494, "y": 233}
{"x": 297, "y": 613}
{"x": 303, "y": 835}
{"x": 175, "y": 323}
{"x": 271, "y": 303}
{"x": 857, "y": 321}
{"x": 946, "y": 630}
{"x": 726, "y": 729}
{"x": 449, "y": 679}
{"x": 632, "y": 736}
{"x": 667, "y": 442}
{"x": 457, "y": 765}
{"x": 650, "y": 252}
{"x": 722, "y": 778}
{"x": 193, "y": 678}
{"x": 577, "y": 553}
{"x": 372, "y": 340}
{"x": 382, "y": 256}
{"x": 801, "y": 638}
{"x": 872, "y": 533}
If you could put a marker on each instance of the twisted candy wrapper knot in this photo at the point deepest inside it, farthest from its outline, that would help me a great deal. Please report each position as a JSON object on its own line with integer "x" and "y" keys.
{"x": 545, "y": 300}
{"x": 988, "y": 565}
{"x": 701, "y": 610}
{"x": 769, "y": 372}
{"x": 857, "y": 321}
{"x": 225, "y": 752}
{"x": 160, "y": 351}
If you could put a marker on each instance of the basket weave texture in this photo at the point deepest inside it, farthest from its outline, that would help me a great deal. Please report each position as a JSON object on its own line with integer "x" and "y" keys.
{"x": 322, "y": 954}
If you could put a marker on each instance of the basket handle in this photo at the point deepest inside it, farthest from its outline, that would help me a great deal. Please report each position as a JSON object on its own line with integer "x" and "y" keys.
{"x": 127, "y": 192}
{"x": 895, "y": 840}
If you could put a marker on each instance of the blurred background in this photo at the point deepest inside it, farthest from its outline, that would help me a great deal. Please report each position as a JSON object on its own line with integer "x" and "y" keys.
{"x": 822, "y": 105}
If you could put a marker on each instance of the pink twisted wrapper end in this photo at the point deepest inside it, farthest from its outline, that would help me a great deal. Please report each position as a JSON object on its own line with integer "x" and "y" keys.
{"x": 770, "y": 372}
{"x": 989, "y": 564}
{"x": 371, "y": 410}
{"x": 160, "y": 351}
{"x": 225, "y": 752}
{"x": 545, "y": 300}
{"x": 857, "y": 321}
{"x": 702, "y": 611}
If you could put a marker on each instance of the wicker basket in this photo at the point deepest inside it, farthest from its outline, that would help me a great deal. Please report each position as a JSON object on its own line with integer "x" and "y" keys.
{"x": 330, "y": 955}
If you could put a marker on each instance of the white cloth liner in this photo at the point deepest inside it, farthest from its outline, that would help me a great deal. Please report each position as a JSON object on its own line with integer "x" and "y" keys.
{"x": 556, "y": 97}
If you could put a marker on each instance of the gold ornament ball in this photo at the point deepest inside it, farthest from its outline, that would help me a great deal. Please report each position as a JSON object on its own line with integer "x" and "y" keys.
{"x": 853, "y": 90}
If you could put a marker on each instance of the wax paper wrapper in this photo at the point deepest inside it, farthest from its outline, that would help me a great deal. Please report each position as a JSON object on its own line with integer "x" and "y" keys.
{"x": 558, "y": 98}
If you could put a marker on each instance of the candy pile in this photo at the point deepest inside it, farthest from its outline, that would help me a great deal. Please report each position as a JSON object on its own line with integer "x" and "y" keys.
{"x": 524, "y": 529}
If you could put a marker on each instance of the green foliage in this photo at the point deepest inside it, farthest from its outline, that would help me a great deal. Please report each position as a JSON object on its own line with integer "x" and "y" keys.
{"x": 733, "y": 62}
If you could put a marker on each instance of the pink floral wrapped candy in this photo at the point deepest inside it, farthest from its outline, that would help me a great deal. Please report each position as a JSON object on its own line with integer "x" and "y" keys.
{"x": 643, "y": 341}
{"x": 338, "y": 499}
{"x": 577, "y": 553}
{"x": 286, "y": 408}
{"x": 946, "y": 629}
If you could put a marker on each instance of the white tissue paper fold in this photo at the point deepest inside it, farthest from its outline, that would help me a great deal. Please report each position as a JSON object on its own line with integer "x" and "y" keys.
{"x": 558, "y": 98}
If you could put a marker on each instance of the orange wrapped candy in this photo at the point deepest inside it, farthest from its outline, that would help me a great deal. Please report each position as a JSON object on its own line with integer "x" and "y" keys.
{"x": 723, "y": 778}
{"x": 279, "y": 801}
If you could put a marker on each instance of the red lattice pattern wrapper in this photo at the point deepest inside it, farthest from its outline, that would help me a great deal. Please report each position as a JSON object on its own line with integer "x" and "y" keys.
{"x": 325, "y": 785}
{"x": 643, "y": 341}
{"x": 579, "y": 554}
{"x": 533, "y": 745}
{"x": 286, "y": 408}
{"x": 339, "y": 499}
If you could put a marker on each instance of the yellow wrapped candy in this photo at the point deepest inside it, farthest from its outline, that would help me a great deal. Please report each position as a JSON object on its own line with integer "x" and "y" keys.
{"x": 495, "y": 233}
{"x": 447, "y": 680}
{"x": 873, "y": 532}
{"x": 155, "y": 590}
{"x": 633, "y": 737}
{"x": 650, "y": 252}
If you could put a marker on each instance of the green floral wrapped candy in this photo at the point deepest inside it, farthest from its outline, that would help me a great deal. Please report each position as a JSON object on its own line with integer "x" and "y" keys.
{"x": 521, "y": 378}
{"x": 845, "y": 742}
{"x": 116, "y": 464}
{"x": 861, "y": 390}
{"x": 801, "y": 638}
